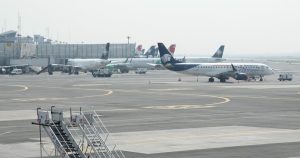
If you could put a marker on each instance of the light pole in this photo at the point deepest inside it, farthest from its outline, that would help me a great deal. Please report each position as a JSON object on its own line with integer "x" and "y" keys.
{"x": 128, "y": 49}
{"x": 128, "y": 38}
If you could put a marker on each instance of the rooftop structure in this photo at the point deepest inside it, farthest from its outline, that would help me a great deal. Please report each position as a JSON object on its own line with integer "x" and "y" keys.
{"x": 8, "y": 37}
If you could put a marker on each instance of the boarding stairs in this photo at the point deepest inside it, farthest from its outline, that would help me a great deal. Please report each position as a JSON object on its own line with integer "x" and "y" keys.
{"x": 84, "y": 135}
{"x": 70, "y": 149}
{"x": 59, "y": 134}
{"x": 97, "y": 136}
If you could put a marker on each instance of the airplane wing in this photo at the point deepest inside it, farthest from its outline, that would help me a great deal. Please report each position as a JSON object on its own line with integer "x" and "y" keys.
{"x": 115, "y": 62}
{"x": 233, "y": 73}
{"x": 157, "y": 66}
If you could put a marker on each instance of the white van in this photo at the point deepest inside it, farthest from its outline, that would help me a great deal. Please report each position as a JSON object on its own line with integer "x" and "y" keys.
{"x": 285, "y": 76}
{"x": 141, "y": 70}
{"x": 16, "y": 72}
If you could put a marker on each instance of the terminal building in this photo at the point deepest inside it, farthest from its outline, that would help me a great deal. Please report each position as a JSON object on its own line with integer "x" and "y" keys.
{"x": 16, "y": 50}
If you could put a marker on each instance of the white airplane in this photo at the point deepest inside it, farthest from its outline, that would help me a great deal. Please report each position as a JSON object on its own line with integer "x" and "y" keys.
{"x": 79, "y": 64}
{"x": 151, "y": 63}
{"x": 88, "y": 64}
{"x": 74, "y": 65}
{"x": 222, "y": 71}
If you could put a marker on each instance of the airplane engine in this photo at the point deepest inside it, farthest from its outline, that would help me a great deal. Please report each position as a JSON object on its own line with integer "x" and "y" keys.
{"x": 66, "y": 61}
{"x": 241, "y": 76}
{"x": 50, "y": 69}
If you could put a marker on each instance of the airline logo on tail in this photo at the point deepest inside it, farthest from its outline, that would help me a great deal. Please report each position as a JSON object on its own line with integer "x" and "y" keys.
{"x": 139, "y": 50}
{"x": 172, "y": 49}
{"x": 166, "y": 58}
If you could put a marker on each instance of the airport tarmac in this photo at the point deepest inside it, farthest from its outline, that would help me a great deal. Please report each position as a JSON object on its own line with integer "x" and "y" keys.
{"x": 155, "y": 116}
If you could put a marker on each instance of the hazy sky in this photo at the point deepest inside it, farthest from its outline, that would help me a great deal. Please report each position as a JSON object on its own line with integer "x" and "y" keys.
{"x": 198, "y": 27}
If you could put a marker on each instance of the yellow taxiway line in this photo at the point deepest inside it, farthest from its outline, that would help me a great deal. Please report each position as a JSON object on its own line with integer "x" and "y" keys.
{"x": 4, "y": 133}
{"x": 109, "y": 92}
{"x": 23, "y": 87}
{"x": 178, "y": 107}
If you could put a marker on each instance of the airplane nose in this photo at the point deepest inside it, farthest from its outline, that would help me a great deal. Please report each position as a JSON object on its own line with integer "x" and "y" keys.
{"x": 272, "y": 71}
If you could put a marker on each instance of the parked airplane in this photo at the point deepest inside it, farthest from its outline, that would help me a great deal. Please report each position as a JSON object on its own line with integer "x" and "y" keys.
{"x": 142, "y": 61}
{"x": 124, "y": 65}
{"x": 222, "y": 71}
{"x": 78, "y": 64}
{"x": 149, "y": 63}
{"x": 155, "y": 63}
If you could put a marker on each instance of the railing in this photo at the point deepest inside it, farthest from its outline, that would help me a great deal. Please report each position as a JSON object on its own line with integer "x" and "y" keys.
{"x": 55, "y": 140}
{"x": 72, "y": 138}
{"x": 77, "y": 137}
{"x": 100, "y": 129}
{"x": 89, "y": 134}
{"x": 115, "y": 149}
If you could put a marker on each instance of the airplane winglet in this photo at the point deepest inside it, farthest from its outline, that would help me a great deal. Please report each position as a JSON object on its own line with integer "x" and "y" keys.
{"x": 233, "y": 68}
{"x": 126, "y": 60}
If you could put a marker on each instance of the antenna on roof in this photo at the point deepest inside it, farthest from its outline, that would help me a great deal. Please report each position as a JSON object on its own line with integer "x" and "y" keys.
{"x": 128, "y": 38}
{"x": 19, "y": 24}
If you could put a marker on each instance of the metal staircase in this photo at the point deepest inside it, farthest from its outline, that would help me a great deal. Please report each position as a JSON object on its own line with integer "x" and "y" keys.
{"x": 97, "y": 134}
{"x": 82, "y": 136}
{"x": 70, "y": 149}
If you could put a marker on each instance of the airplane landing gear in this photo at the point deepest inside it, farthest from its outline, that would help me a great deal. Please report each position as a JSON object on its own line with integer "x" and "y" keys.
{"x": 93, "y": 73}
{"x": 211, "y": 79}
{"x": 222, "y": 80}
{"x": 261, "y": 78}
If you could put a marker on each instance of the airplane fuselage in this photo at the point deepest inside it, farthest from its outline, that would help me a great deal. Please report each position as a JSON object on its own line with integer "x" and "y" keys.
{"x": 215, "y": 69}
{"x": 201, "y": 59}
{"x": 135, "y": 63}
{"x": 88, "y": 64}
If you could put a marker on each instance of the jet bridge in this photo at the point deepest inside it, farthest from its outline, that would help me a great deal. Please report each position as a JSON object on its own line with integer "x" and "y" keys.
{"x": 83, "y": 135}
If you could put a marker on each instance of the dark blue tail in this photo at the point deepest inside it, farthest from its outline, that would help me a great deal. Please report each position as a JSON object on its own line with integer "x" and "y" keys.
{"x": 165, "y": 55}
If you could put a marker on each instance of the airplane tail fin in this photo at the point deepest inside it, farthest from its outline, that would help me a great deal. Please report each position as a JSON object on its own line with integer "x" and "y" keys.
{"x": 165, "y": 55}
{"x": 150, "y": 51}
{"x": 233, "y": 68}
{"x": 105, "y": 55}
{"x": 138, "y": 50}
{"x": 219, "y": 52}
{"x": 172, "y": 48}
{"x": 156, "y": 52}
